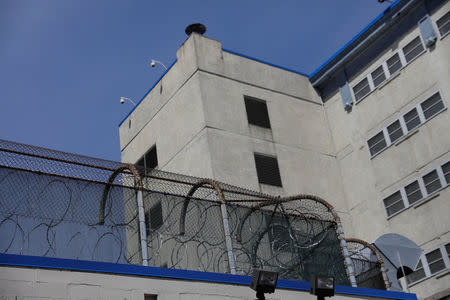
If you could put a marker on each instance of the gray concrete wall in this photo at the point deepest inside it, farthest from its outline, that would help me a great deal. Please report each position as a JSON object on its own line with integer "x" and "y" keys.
{"x": 31, "y": 283}
{"x": 367, "y": 181}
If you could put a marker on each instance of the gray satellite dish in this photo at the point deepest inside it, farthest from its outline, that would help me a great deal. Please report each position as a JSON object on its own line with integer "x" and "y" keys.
{"x": 400, "y": 256}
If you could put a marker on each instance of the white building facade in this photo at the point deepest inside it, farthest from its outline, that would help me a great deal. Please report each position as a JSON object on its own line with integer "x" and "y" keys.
{"x": 367, "y": 131}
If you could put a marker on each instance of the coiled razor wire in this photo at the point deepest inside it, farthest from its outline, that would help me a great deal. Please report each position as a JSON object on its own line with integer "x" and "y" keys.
{"x": 64, "y": 205}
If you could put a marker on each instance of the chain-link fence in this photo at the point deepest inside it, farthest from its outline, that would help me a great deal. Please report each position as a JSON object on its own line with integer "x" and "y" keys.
{"x": 69, "y": 206}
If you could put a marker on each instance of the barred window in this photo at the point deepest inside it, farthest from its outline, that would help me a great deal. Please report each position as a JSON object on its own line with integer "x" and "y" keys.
{"x": 361, "y": 89}
{"x": 377, "y": 143}
{"x": 257, "y": 113}
{"x": 393, "y": 203}
{"x": 413, "y": 49}
{"x": 413, "y": 192}
{"x": 432, "y": 106}
{"x": 432, "y": 182}
{"x": 395, "y": 131}
{"x": 394, "y": 64}
{"x": 267, "y": 170}
{"x": 412, "y": 119}
{"x": 446, "y": 171}
{"x": 435, "y": 261}
{"x": 443, "y": 24}
{"x": 418, "y": 274}
{"x": 378, "y": 76}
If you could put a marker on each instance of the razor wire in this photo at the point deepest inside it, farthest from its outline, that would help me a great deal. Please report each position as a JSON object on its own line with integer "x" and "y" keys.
{"x": 64, "y": 205}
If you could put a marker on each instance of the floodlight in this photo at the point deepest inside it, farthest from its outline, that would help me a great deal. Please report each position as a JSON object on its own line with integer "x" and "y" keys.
{"x": 153, "y": 63}
{"x": 322, "y": 286}
{"x": 122, "y": 100}
{"x": 263, "y": 282}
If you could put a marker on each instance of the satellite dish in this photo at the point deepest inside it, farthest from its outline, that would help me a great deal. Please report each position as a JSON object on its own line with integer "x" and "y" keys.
{"x": 400, "y": 255}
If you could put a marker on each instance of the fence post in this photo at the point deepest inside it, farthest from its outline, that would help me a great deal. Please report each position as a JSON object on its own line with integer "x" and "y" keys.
{"x": 142, "y": 229}
{"x": 228, "y": 242}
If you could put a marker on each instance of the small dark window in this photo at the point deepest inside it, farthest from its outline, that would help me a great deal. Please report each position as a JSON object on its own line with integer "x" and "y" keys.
{"x": 377, "y": 143}
{"x": 413, "y": 192}
{"x": 432, "y": 106}
{"x": 394, "y": 64}
{"x": 149, "y": 161}
{"x": 418, "y": 274}
{"x": 432, "y": 182}
{"x": 395, "y": 131}
{"x": 257, "y": 113}
{"x": 267, "y": 170}
{"x": 412, "y": 119}
{"x": 150, "y": 297}
{"x": 446, "y": 171}
{"x": 279, "y": 235}
{"x": 361, "y": 89}
{"x": 154, "y": 218}
{"x": 393, "y": 203}
{"x": 435, "y": 261}
{"x": 413, "y": 49}
{"x": 378, "y": 76}
{"x": 443, "y": 24}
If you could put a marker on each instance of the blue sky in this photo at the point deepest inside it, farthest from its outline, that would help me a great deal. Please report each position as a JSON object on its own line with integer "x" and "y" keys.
{"x": 65, "y": 64}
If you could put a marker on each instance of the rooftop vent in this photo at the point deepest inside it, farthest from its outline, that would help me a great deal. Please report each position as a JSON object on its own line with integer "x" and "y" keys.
{"x": 197, "y": 28}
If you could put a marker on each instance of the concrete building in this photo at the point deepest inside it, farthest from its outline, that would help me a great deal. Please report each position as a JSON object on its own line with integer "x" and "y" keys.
{"x": 367, "y": 131}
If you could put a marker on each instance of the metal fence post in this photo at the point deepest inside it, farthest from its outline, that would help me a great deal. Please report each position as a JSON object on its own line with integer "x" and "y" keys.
{"x": 142, "y": 229}
{"x": 228, "y": 242}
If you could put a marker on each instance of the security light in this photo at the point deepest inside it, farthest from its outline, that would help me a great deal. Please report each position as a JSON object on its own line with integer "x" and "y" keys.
{"x": 154, "y": 62}
{"x": 322, "y": 286}
{"x": 263, "y": 282}
{"x": 122, "y": 100}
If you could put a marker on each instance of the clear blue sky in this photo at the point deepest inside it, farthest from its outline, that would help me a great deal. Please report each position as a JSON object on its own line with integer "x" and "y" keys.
{"x": 65, "y": 64}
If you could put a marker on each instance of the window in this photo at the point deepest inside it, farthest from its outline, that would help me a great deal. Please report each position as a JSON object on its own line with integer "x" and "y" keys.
{"x": 423, "y": 111}
{"x": 435, "y": 261}
{"x": 257, "y": 113}
{"x": 432, "y": 182}
{"x": 149, "y": 161}
{"x": 150, "y": 297}
{"x": 419, "y": 273}
{"x": 446, "y": 171}
{"x": 154, "y": 218}
{"x": 267, "y": 170}
{"x": 377, "y": 143}
{"x": 361, "y": 89}
{"x": 443, "y": 24}
{"x": 413, "y": 192}
{"x": 412, "y": 119}
{"x": 432, "y": 106}
{"x": 394, "y": 64}
{"x": 413, "y": 49}
{"x": 431, "y": 263}
{"x": 378, "y": 76}
{"x": 395, "y": 131}
{"x": 417, "y": 190}
{"x": 394, "y": 203}
{"x": 279, "y": 235}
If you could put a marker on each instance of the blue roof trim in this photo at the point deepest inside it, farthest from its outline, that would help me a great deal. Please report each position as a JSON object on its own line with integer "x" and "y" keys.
{"x": 103, "y": 267}
{"x": 354, "y": 38}
{"x": 159, "y": 79}
{"x": 265, "y": 62}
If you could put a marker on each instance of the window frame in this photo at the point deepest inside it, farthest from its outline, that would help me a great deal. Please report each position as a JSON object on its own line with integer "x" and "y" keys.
{"x": 143, "y": 157}
{"x": 387, "y": 73}
{"x": 423, "y": 190}
{"x": 255, "y": 154}
{"x": 403, "y": 125}
{"x": 437, "y": 27}
{"x": 257, "y": 100}
{"x": 425, "y": 264}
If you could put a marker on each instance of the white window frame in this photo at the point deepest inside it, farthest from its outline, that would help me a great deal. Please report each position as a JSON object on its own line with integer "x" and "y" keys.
{"x": 425, "y": 194}
{"x": 426, "y": 266}
{"x": 387, "y": 73}
{"x": 437, "y": 27}
{"x": 403, "y": 126}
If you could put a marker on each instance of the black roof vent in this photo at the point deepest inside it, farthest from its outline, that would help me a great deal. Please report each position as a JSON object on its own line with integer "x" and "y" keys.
{"x": 197, "y": 28}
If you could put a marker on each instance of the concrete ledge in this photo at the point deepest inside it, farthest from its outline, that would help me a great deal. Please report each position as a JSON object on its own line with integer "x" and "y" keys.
{"x": 111, "y": 268}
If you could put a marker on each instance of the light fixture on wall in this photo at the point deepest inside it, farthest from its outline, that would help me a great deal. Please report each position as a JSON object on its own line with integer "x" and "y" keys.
{"x": 154, "y": 62}
{"x": 123, "y": 99}
{"x": 263, "y": 282}
{"x": 322, "y": 286}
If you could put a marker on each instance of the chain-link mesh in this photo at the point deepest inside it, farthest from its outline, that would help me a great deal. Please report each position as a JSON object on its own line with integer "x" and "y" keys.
{"x": 69, "y": 206}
